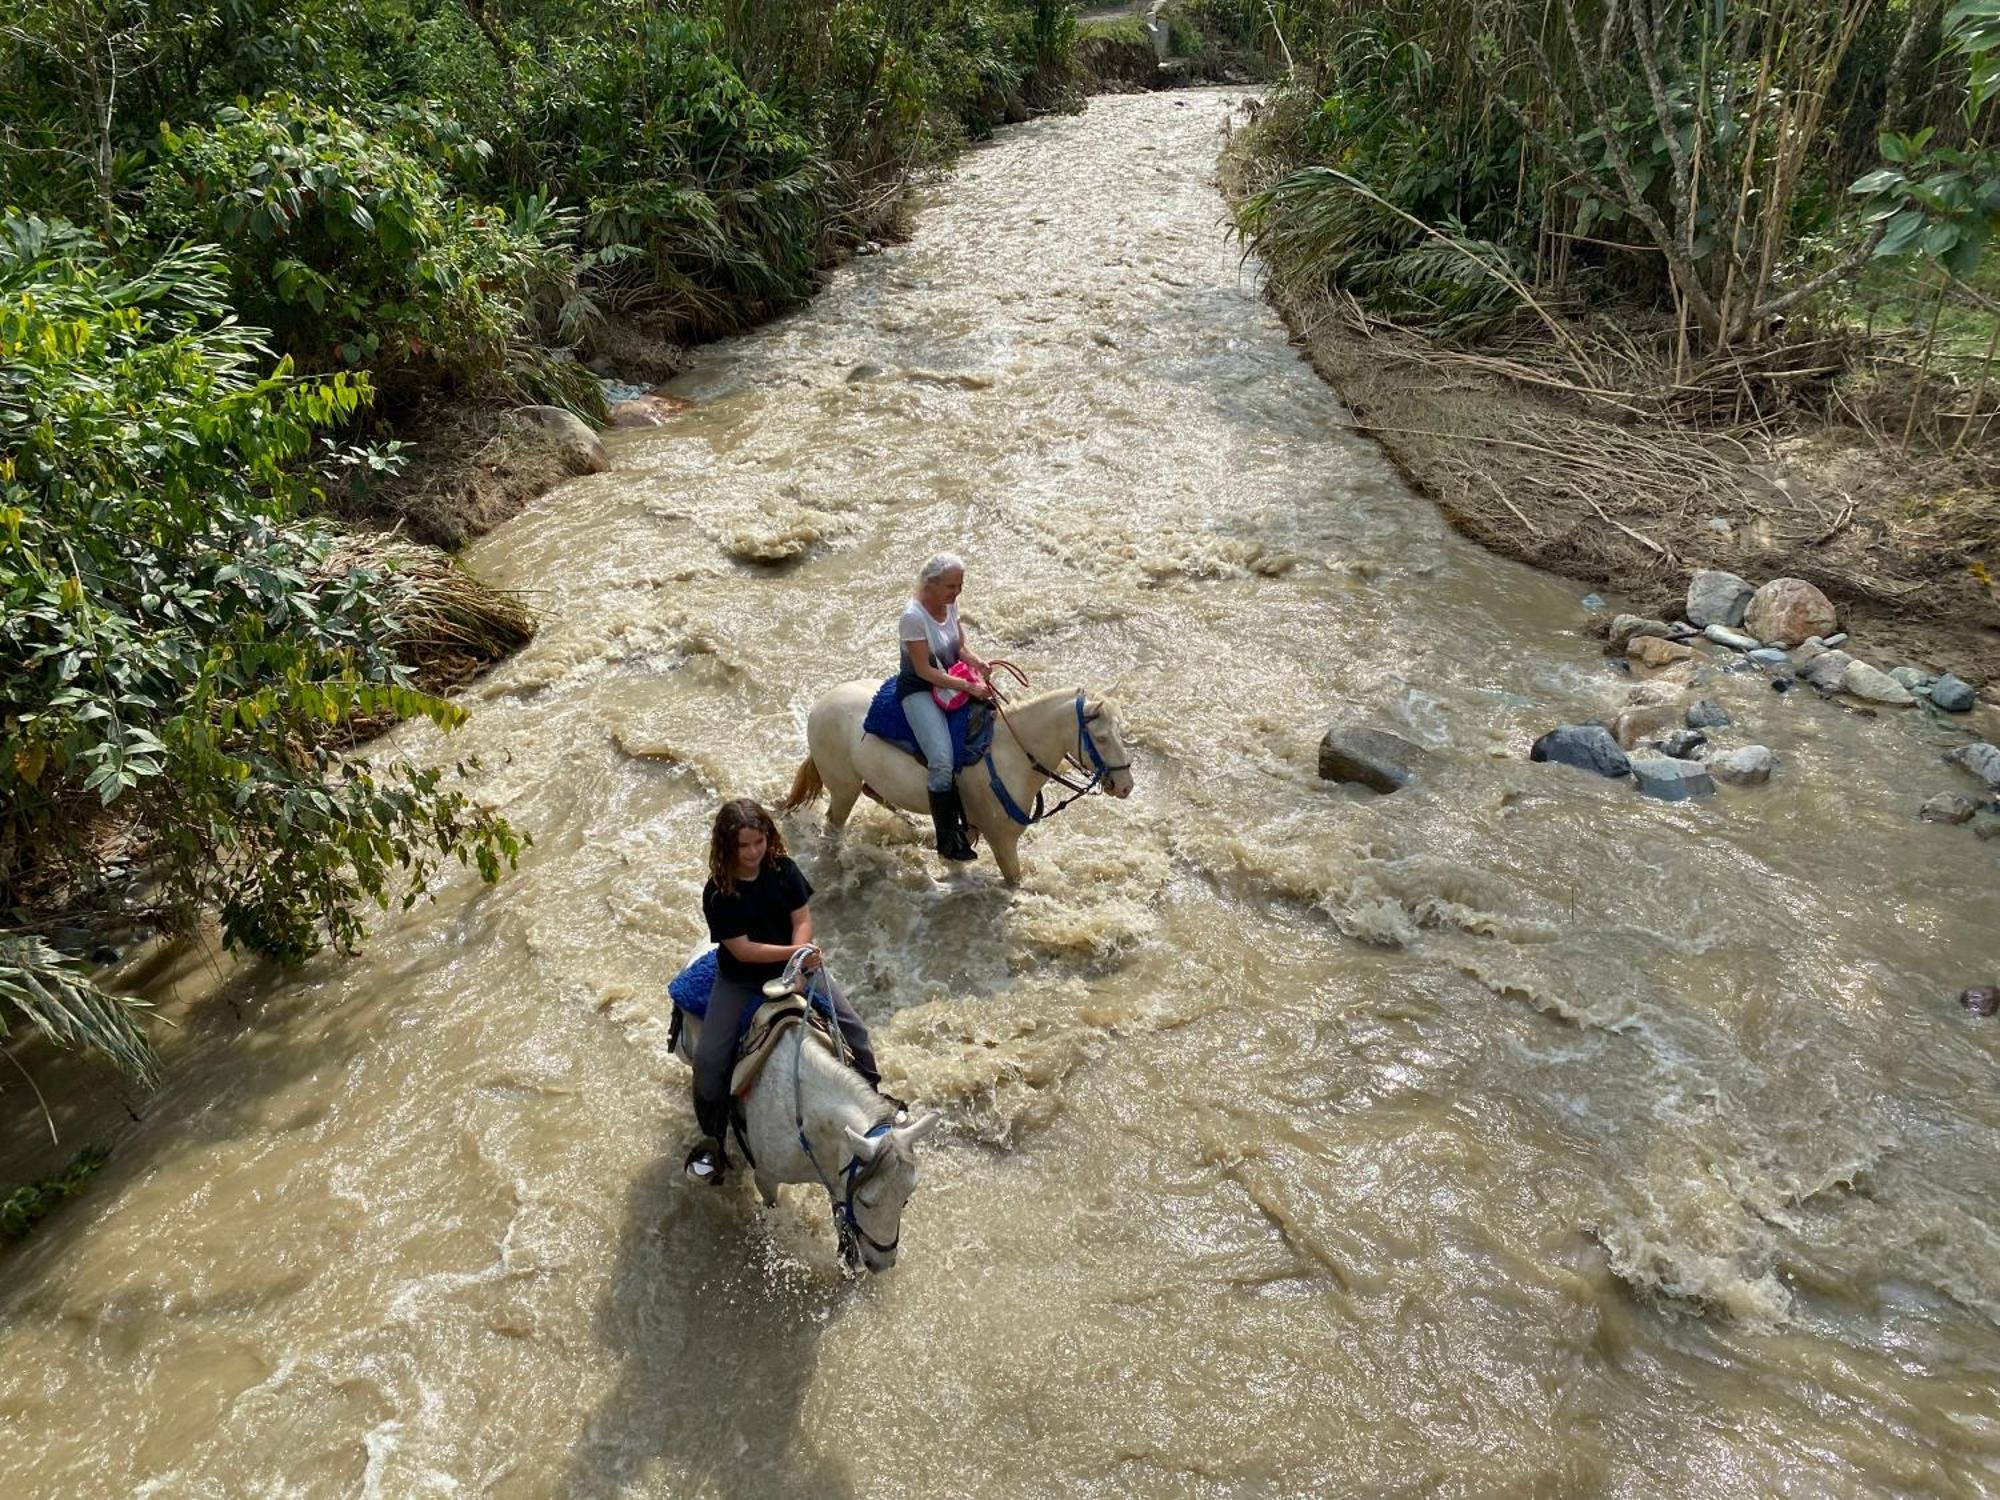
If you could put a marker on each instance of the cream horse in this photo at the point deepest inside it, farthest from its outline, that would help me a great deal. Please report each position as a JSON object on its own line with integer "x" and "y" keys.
{"x": 1030, "y": 745}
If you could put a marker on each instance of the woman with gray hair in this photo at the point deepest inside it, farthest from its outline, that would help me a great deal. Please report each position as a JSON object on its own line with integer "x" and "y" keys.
{"x": 932, "y": 642}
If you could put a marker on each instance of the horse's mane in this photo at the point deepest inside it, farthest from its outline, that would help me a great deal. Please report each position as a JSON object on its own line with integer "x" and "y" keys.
{"x": 849, "y": 1083}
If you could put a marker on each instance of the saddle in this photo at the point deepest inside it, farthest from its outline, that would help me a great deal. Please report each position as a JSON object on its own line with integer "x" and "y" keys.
{"x": 768, "y": 1024}
{"x": 971, "y": 725}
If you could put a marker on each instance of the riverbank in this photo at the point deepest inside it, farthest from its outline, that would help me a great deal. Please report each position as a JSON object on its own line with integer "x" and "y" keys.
{"x": 1617, "y": 499}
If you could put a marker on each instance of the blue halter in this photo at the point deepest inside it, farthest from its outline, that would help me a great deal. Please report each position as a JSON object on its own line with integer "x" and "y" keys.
{"x": 1086, "y": 750}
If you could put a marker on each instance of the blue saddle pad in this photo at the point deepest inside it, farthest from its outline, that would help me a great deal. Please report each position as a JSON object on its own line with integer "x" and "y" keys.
{"x": 887, "y": 721}
{"x": 691, "y": 988}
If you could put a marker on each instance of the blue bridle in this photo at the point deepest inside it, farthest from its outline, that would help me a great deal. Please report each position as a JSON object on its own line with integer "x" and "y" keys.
{"x": 1086, "y": 750}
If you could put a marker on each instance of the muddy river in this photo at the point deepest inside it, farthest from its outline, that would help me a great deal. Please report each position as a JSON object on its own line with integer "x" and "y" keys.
{"x": 1512, "y": 1135}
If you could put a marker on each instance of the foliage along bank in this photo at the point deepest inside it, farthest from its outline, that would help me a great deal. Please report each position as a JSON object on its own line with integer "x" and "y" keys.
{"x": 248, "y": 247}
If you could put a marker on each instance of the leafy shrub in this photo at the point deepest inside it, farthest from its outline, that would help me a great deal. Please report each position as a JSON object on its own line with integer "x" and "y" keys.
{"x": 173, "y": 654}
{"x": 352, "y": 252}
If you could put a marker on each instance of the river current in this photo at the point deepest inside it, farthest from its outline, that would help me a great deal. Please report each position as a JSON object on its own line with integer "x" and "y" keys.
{"x": 1511, "y": 1135}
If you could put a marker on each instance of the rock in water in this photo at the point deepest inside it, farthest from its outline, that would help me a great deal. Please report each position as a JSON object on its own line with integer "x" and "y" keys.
{"x": 1828, "y": 671}
{"x": 1625, "y": 627}
{"x": 1948, "y": 807}
{"x": 1980, "y": 999}
{"x": 1634, "y": 724}
{"x": 581, "y": 449}
{"x": 1770, "y": 657}
{"x": 1373, "y": 758}
{"x": 1670, "y": 780}
{"x": 1952, "y": 694}
{"x": 1707, "y": 714}
{"x": 1681, "y": 744}
{"x": 1748, "y": 765}
{"x": 1873, "y": 684}
{"x": 1735, "y": 640}
{"x": 1786, "y": 611}
{"x": 1717, "y": 598}
{"x": 1586, "y": 746}
{"x": 1653, "y": 651}
{"x": 1981, "y": 759}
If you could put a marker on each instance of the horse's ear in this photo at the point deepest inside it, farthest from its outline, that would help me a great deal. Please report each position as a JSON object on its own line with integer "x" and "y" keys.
{"x": 920, "y": 1129}
{"x": 866, "y": 1147}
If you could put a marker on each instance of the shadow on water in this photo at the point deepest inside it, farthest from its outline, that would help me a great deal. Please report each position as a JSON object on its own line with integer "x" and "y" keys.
{"x": 718, "y": 1337}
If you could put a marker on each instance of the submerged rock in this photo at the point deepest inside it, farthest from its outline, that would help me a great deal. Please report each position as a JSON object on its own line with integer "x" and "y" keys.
{"x": 1980, "y": 999}
{"x": 1981, "y": 759}
{"x": 1707, "y": 714}
{"x": 1588, "y": 747}
{"x": 1634, "y": 724}
{"x": 1748, "y": 765}
{"x": 1373, "y": 758}
{"x": 1786, "y": 611}
{"x": 1625, "y": 627}
{"x": 1655, "y": 651}
{"x": 1953, "y": 694}
{"x": 1671, "y": 780}
{"x": 1948, "y": 807}
{"x": 1681, "y": 744}
{"x": 1717, "y": 598}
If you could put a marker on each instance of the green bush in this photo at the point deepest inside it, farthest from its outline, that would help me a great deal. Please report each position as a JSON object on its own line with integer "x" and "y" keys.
{"x": 353, "y": 253}
{"x": 174, "y": 656}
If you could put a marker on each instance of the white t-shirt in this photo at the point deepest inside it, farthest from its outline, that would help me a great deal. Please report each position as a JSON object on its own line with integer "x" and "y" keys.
{"x": 918, "y": 625}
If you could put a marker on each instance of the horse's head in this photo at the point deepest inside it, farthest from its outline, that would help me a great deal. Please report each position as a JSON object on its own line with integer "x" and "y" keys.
{"x": 881, "y": 1180}
{"x": 1111, "y": 760}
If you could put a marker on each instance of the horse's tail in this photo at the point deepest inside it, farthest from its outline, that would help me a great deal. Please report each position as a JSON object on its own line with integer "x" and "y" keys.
{"x": 806, "y": 787}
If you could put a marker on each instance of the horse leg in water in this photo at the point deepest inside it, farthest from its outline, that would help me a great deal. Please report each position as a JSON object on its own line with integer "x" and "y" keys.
{"x": 840, "y": 802}
{"x": 1007, "y": 853}
{"x": 766, "y": 1188}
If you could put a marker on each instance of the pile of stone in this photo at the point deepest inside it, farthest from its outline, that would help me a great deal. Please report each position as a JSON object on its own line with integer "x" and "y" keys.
{"x": 1787, "y": 625}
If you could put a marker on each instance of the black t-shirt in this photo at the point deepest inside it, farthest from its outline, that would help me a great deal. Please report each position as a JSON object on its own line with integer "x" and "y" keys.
{"x": 760, "y": 910}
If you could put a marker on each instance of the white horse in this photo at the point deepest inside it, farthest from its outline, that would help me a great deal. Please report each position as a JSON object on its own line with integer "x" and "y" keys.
{"x": 866, "y": 1162}
{"x": 1030, "y": 744}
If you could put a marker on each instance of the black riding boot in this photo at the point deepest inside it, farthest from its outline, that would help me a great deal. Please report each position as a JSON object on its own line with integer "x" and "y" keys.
{"x": 948, "y": 818}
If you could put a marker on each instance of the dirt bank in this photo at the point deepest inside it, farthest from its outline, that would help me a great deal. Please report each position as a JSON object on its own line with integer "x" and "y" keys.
{"x": 1634, "y": 504}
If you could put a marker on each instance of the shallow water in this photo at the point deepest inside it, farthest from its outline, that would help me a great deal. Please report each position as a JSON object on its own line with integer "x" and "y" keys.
{"x": 1513, "y": 1135}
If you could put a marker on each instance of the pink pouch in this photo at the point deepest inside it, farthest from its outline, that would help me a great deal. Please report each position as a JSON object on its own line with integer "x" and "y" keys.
{"x": 950, "y": 700}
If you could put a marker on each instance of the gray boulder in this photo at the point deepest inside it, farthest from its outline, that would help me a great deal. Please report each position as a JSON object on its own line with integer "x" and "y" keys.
{"x": 1948, "y": 807}
{"x": 1770, "y": 656}
{"x": 1828, "y": 671}
{"x": 1987, "y": 825}
{"x": 1671, "y": 780}
{"x": 1953, "y": 694}
{"x": 1373, "y": 758}
{"x": 1717, "y": 598}
{"x": 1681, "y": 744}
{"x": 1586, "y": 746}
{"x": 581, "y": 449}
{"x": 1916, "y": 679}
{"x": 1873, "y": 684}
{"x": 1748, "y": 765}
{"x": 1735, "y": 640}
{"x": 1981, "y": 759}
{"x": 1707, "y": 714}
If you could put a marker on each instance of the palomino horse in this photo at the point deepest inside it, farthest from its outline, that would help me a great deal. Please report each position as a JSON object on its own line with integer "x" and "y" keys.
{"x": 1001, "y": 793}
{"x": 811, "y": 1118}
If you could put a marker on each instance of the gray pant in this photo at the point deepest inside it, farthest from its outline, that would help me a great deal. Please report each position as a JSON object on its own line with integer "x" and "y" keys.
{"x": 933, "y": 732}
{"x": 715, "y": 1053}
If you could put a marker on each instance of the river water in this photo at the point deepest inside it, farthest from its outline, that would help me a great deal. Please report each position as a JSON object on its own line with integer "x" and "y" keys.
{"x": 1512, "y": 1135}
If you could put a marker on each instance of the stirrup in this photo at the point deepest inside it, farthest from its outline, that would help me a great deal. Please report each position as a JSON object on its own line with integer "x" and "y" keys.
{"x": 705, "y": 1164}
